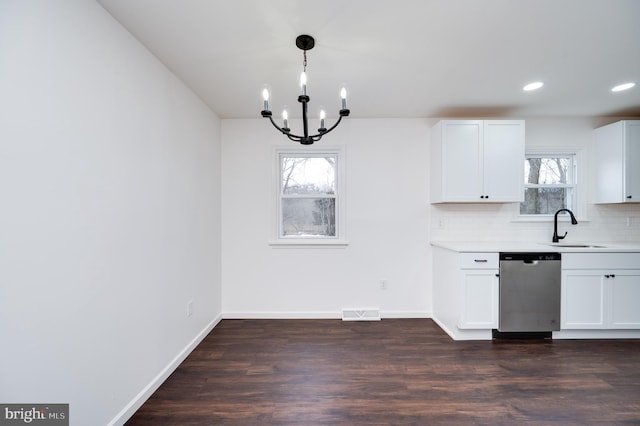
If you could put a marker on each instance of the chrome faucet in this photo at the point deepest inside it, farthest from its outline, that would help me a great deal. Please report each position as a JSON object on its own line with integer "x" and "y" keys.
{"x": 556, "y": 237}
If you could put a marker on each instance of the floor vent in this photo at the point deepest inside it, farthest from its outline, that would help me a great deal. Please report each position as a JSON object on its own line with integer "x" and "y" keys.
{"x": 361, "y": 315}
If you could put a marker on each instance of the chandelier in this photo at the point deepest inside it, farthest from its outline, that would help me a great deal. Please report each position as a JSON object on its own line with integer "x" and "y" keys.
{"x": 304, "y": 42}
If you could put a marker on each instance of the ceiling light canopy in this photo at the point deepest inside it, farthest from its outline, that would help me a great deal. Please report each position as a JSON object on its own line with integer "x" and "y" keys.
{"x": 304, "y": 42}
{"x": 621, "y": 87}
{"x": 533, "y": 86}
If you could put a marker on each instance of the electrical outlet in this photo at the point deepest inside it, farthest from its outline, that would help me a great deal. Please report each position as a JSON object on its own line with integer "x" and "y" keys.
{"x": 190, "y": 308}
{"x": 383, "y": 284}
{"x": 442, "y": 223}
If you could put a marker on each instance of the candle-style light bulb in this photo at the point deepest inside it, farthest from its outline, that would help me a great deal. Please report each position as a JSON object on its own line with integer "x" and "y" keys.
{"x": 303, "y": 83}
{"x": 322, "y": 116}
{"x": 265, "y": 97}
{"x": 285, "y": 119}
{"x": 343, "y": 95}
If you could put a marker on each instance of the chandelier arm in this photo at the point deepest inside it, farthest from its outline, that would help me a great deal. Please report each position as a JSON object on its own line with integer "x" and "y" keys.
{"x": 297, "y": 138}
{"x": 294, "y": 138}
{"x": 319, "y": 136}
{"x": 330, "y": 128}
{"x": 274, "y": 124}
{"x": 284, "y": 131}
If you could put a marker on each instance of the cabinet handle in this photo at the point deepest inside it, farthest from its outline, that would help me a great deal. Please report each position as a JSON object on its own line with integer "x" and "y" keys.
{"x": 480, "y": 260}
{"x": 610, "y": 276}
{"x": 498, "y": 275}
{"x": 606, "y": 276}
{"x": 629, "y": 196}
{"x": 613, "y": 275}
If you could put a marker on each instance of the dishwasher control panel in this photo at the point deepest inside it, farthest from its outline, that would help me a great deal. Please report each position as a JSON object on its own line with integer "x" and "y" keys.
{"x": 530, "y": 256}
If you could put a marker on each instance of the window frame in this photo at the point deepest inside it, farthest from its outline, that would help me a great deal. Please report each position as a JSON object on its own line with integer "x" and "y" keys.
{"x": 578, "y": 185}
{"x": 278, "y": 239}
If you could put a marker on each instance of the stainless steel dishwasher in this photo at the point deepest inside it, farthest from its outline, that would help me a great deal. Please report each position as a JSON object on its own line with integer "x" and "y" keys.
{"x": 529, "y": 293}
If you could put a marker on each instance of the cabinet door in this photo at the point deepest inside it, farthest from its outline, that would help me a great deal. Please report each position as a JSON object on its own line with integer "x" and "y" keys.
{"x": 461, "y": 153}
{"x": 609, "y": 152}
{"x": 582, "y": 300}
{"x": 503, "y": 155}
{"x": 632, "y": 159}
{"x": 623, "y": 292}
{"x": 479, "y": 299}
{"x": 617, "y": 153}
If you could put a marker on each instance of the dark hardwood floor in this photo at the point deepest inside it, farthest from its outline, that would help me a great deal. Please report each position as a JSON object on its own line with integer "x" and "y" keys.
{"x": 393, "y": 372}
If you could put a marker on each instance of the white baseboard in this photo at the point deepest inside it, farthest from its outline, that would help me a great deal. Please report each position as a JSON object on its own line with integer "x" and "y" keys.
{"x": 466, "y": 334}
{"x": 133, "y": 406}
{"x": 282, "y": 315}
{"x": 315, "y": 314}
{"x": 405, "y": 314}
{"x": 444, "y": 328}
{"x": 597, "y": 334}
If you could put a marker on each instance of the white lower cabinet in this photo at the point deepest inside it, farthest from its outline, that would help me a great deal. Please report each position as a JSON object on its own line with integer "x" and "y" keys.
{"x": 465, "y": 293}
{"x": 479, "y": 279}
{"x": 623, "y": 299}
{"x": 600, "y": 294}
{"x": 595, "y": 296}
{"x": 582, "y": 300}
{"x": 479, "y": 300}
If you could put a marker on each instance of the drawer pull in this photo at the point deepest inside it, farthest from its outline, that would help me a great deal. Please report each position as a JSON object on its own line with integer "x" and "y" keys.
{"x": 480, "y": 260}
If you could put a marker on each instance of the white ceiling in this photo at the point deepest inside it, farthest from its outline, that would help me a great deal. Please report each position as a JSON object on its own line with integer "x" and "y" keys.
{"x": 399, "y": 58}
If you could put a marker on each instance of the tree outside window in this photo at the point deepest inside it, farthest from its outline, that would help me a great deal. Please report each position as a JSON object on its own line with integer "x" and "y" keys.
{"x": 550, "y": 184}
{"x": 308, "y": 195}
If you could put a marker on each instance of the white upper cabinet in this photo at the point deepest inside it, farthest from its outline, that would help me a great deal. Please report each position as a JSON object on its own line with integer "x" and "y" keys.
{"x": 617, "y": 155}
{"x": 477, "y": 161}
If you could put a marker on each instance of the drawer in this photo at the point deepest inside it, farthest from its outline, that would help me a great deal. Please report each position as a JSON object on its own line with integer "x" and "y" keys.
{"x": 480, "y": 260}
{"x": 600, "y": 260}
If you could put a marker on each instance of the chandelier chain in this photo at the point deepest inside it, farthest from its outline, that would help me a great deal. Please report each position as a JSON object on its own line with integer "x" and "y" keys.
{"x": 304, "y": 63}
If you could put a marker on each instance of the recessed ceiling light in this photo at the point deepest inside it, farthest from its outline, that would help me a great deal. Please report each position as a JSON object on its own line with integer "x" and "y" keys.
{"x": 621, "y": 87}
{"x": 533, "y": 86}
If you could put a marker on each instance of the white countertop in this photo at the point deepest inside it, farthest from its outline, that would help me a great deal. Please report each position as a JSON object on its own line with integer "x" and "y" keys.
{"x": 539, "y": 247}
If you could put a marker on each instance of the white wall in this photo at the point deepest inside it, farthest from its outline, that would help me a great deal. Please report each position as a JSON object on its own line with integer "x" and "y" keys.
{"x": 387, "y": 225}
{"x": 496, "y": 222}
{"x": 110, "y": 212}
{"x": 390, "y": 221}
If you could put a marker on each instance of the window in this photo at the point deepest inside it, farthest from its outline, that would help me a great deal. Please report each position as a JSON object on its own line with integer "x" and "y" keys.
{"x": 308, "y": 196}
{"x": 549, "y": 184}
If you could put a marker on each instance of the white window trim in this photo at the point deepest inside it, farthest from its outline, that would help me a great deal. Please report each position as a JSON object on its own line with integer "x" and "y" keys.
{"x": 278, "y": 241}
{"x": 580, "y": 184}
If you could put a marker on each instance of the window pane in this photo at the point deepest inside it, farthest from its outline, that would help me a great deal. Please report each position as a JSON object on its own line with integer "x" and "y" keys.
{"x": 308, "y": 175}
{"x": 547, "y": 171}
{"x": 544, "y": 200}
{"x": 309, "y": 217}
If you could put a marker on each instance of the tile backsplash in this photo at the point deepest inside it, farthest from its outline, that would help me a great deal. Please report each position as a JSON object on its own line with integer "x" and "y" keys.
{"x": 498, "y": 222}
